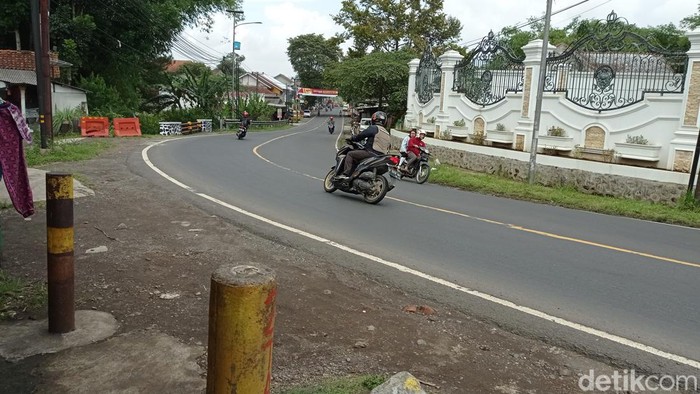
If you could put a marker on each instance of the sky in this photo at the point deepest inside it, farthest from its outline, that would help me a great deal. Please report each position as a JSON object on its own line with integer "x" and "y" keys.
{"x": 265, "y": 45}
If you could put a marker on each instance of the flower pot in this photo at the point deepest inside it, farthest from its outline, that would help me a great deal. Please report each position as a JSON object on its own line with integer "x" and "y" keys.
{"x": 638, "y": 151}
{"x": 557, "y": 143}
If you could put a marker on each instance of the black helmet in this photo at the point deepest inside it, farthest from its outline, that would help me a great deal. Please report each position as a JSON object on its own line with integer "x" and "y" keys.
{"x": 379, "y": 118}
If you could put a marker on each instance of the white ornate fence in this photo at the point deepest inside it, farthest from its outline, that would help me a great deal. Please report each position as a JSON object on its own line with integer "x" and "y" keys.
{"x": 668, "y": 120}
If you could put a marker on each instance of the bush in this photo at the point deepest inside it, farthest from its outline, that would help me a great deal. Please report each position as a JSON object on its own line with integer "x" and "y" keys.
{"x": 500, "y": 127}
{"x": 149, "y": 123}
{"x": 637, "y": 139}
{"x": 460, "y": 123}
{"x": 556, "y": 131}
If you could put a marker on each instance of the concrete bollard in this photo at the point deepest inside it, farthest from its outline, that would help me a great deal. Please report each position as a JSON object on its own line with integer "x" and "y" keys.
{"x": 59, "y": 248}
{"x": 241, "y": 326}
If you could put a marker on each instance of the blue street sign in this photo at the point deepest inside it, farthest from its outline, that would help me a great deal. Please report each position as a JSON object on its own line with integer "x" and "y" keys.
{"x": 236, "y": 45}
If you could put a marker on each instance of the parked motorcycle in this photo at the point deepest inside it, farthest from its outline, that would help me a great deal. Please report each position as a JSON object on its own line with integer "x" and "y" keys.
{"x": 367, "y": 179}
{"x": 420, "y": 169}
{"x": 241, "y": 132}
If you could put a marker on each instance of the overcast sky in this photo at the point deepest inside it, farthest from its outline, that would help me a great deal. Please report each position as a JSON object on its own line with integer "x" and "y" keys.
{"x": 264, "y": 46}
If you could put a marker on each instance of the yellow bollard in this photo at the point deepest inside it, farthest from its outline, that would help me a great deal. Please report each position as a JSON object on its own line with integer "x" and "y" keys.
{"x": 241, "y": 325}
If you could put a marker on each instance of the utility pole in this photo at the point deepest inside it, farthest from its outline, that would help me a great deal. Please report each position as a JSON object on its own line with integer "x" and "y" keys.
{"x": 540, "y": 91}
{"x": 234, "y": 71}
{"x": 38, "y": 62}
{"x": 46, "y": 115}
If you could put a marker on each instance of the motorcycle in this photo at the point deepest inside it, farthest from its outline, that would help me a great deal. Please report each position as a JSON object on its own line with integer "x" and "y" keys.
{"x": 241, "y": 132}
{"x": 367, "y": 179}
{"x": 420, "y": 169}
{"x": 331, "y": 129}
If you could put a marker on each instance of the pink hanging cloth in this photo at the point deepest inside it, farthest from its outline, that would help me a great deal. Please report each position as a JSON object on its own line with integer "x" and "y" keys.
{"x": 13, "y": 129}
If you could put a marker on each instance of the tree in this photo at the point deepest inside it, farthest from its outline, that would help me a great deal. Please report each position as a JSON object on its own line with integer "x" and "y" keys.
{"x": 310, "y": 54}
{"x": 390, "y": 25}
{"x": 380, "y": 77}
{"x": 692, "y": 21}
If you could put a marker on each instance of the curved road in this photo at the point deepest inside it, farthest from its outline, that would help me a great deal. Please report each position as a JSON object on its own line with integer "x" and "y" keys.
{"x": 633, "y": 279}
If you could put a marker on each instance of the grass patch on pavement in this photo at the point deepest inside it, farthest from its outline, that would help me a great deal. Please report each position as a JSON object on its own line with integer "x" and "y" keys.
{"x": 66, "y": 151}
{"x": 18, "y": 295}
{"x": 686, "y": 212}
{"x": 351, "y": 385}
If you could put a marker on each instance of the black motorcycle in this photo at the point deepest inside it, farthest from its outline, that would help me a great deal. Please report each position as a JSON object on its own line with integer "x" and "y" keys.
{"x": 420, "y": 169}
{"x": 367, "y": 179}
{"x": 241, "y": 132}
{"x": 331, "y": 128}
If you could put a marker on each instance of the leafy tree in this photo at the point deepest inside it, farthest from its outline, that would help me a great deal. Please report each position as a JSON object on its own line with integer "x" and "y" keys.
{"x": 692, "y": 21}
{"x": 380, "y": 77}
{"x": 390, "y": 25}
{"x": 257, "y": 107}
{"x": 310, "y": 54}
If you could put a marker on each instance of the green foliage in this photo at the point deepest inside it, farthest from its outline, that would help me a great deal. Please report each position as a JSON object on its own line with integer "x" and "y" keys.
{"x": 379, "y": 77}
{"x": 637, "y": 139}
{"x": 459, "y": 123}
{"x": 566, "y": 196}
{"x": 500, "y": 127}
{"x": 67, "y": 151}
{"x": 70, "y": 117}
{"x": 102, "y": 99}
{"x": 556, "y": 131}
{"x": 354, "y": 385}
{"x": 18, "y": 295}
{"x": 310, "y": 55}
{"x": 257, "y": 107}
{"x": 692, "y": 21}
{"x": 391, "y": 25}
{"x": 149, "y": 123}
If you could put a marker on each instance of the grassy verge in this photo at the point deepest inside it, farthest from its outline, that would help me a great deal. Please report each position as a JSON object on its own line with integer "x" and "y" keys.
{"x": 67, "y": 151}
{"x": 352, "y": 385}
{"x": 18, "y": 296}
{"x": 685, "y": 213}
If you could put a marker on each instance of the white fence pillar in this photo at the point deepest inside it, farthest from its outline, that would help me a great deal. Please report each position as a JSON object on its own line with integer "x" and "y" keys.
{"x": 683, "y": 144}
{"x": 448, "y": 61}
{"x": 411, "y": 118}
{"x": 523, "y": 131}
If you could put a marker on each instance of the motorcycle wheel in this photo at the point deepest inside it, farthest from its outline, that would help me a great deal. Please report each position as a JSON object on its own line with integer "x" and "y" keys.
{"x": 328, "y": 185}
{"x": 240, "y": 136}
{"x": 377, "y": 195}
{"x": 423, "y": 173}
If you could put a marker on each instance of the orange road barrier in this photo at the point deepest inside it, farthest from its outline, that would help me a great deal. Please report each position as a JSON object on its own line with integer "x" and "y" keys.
{"x": 94, "y": 126}
{"x": 59, "y": 248}
{"x": 127, "y": 127}
{"x": 241, "y": 324}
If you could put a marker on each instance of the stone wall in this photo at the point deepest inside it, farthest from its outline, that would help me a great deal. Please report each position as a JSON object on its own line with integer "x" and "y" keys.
{"x": 583, "y": 181}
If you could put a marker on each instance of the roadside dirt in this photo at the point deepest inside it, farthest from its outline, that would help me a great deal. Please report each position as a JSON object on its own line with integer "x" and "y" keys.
{"x": 331, "y": 321}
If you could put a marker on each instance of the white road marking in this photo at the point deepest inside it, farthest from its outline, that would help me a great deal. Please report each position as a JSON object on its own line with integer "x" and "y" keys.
{"x": 524, "y": 309}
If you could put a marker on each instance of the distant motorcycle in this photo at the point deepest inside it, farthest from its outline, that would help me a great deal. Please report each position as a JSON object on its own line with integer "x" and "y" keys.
{"x": 241, "y": 132}
{"x": 420, "y": 169}
{"x": 367, "y": 179}
{"x": 331, "y": 129}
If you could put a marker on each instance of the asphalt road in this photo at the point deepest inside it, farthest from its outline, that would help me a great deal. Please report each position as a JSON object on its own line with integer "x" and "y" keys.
{"x": 630, "y": 278}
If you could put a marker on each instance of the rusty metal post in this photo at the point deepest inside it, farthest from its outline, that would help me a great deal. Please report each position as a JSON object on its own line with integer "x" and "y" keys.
{"x": 59, "y": 247}
{"x": 241, "y": 325}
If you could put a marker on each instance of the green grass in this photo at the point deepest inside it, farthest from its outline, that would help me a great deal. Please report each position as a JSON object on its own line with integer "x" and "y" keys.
{"x": 17, "y": 295}
{"x": 350, "y": 385}
{"x": 685, "y": 212}
{"x": 69, "y": 151}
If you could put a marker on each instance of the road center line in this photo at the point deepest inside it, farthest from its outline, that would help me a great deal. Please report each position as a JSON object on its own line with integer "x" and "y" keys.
{"x": 533, "y": 312}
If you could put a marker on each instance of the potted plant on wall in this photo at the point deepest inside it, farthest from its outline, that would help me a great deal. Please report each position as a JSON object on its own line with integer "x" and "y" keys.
{"x": 637, "y": 148}
{"x": 501, "y": 134}
{"x": 556, "y": 139}
{"x": 459, "y": 129}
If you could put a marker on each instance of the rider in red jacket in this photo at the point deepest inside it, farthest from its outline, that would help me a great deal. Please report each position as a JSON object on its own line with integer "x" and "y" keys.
{"x": 413, "y": 151}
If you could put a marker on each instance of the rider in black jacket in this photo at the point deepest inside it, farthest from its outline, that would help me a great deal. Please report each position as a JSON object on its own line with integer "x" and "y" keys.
{"x": 356, "y": 156}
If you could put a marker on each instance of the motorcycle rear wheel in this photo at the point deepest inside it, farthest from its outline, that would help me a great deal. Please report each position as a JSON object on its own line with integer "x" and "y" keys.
{"x": 377, "y": 195}
{"x": 423, "y": 173}
{"x": 328, "y": 184}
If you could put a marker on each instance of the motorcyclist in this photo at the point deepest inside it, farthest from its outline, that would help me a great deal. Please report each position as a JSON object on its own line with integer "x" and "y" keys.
{"x": 414, "y": 145}
{"x": 374, "y": 146}
{"x": 403, "y": 150}
{"x": 245, "y": 122}
{"x": 331, "y": 125}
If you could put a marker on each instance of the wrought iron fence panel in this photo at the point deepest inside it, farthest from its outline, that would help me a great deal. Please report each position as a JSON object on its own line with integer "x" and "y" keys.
{"x": 428, "y": 76}
{"x": 613, "y": 67}
{"x": 488, "y": 73}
